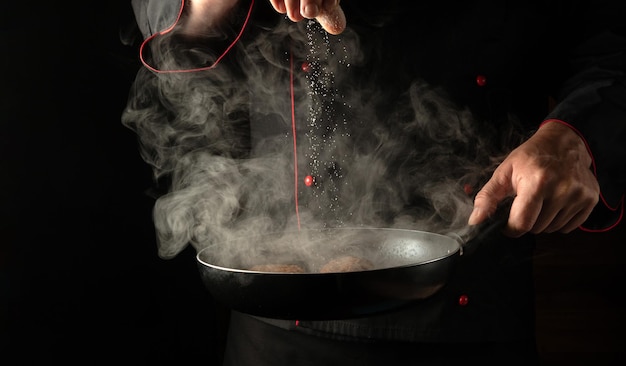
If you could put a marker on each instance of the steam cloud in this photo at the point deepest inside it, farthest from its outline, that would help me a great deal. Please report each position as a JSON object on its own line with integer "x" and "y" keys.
{"x": 227, "y": 179}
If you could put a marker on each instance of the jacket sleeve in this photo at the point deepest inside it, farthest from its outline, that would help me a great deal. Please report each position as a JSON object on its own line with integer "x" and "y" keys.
{"x": 592, "y": 101}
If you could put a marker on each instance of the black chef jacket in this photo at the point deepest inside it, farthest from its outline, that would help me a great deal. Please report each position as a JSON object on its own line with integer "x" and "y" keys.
{"x": 473, "y": 76}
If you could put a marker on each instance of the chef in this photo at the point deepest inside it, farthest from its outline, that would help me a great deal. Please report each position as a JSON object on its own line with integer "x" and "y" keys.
{"x": 393, "y": 113}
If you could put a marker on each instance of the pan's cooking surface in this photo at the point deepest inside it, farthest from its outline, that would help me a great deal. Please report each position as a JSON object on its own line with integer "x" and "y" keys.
{"x": 311, "y": 249}
{"x": 408, "y": 266}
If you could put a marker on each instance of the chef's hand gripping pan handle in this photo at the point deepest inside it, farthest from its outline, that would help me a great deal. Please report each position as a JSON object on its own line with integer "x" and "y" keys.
{"x": 488, "y": 229}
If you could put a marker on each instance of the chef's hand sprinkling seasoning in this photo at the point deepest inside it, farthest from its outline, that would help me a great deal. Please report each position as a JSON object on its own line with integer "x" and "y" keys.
{"x": 327, "y": 12}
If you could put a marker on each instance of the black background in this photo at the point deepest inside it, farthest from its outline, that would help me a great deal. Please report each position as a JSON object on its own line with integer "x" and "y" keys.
{"x": 80, "y": 280}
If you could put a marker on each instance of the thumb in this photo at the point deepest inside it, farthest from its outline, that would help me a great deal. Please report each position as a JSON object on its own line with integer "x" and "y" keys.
{"x": 333, "y": 20}
{"x": 493, "y": 192}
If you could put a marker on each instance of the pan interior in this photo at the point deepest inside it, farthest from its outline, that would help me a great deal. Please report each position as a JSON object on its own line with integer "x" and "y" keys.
{"x": 311, "y": 249}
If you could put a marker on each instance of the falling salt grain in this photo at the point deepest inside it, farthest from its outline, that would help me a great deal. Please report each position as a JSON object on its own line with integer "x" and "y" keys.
{"x": 324, "y": 119}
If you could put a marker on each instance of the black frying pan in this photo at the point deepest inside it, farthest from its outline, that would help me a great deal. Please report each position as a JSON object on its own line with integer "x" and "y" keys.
{"x": 408, "y": 265}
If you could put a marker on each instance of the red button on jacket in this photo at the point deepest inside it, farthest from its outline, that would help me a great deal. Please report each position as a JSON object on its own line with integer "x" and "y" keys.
{"x": 481, "y": 80}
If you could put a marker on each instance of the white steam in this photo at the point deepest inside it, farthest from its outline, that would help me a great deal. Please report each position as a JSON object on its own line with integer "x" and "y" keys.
{"x": 228, "y": 178}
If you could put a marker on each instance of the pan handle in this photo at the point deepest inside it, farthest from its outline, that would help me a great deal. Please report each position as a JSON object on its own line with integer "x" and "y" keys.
{"x": 487, "y": 229}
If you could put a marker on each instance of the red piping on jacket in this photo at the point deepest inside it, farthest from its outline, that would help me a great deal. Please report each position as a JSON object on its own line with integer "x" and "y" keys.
{"x": 171, "y": 27}
{"x": 620, "y": 205}
{"x": 291, "y": 84}
{"x": 293, "y": 132}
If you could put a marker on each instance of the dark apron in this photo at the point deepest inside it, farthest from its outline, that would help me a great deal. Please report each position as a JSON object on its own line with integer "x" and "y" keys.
{"x": 485, "y": 314}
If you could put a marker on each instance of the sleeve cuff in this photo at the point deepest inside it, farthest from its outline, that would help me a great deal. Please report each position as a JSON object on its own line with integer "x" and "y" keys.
{"x": 604, "y": 216}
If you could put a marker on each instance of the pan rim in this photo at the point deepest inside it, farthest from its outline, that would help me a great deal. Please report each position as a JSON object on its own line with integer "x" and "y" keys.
{"x": 453, "y": 250}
